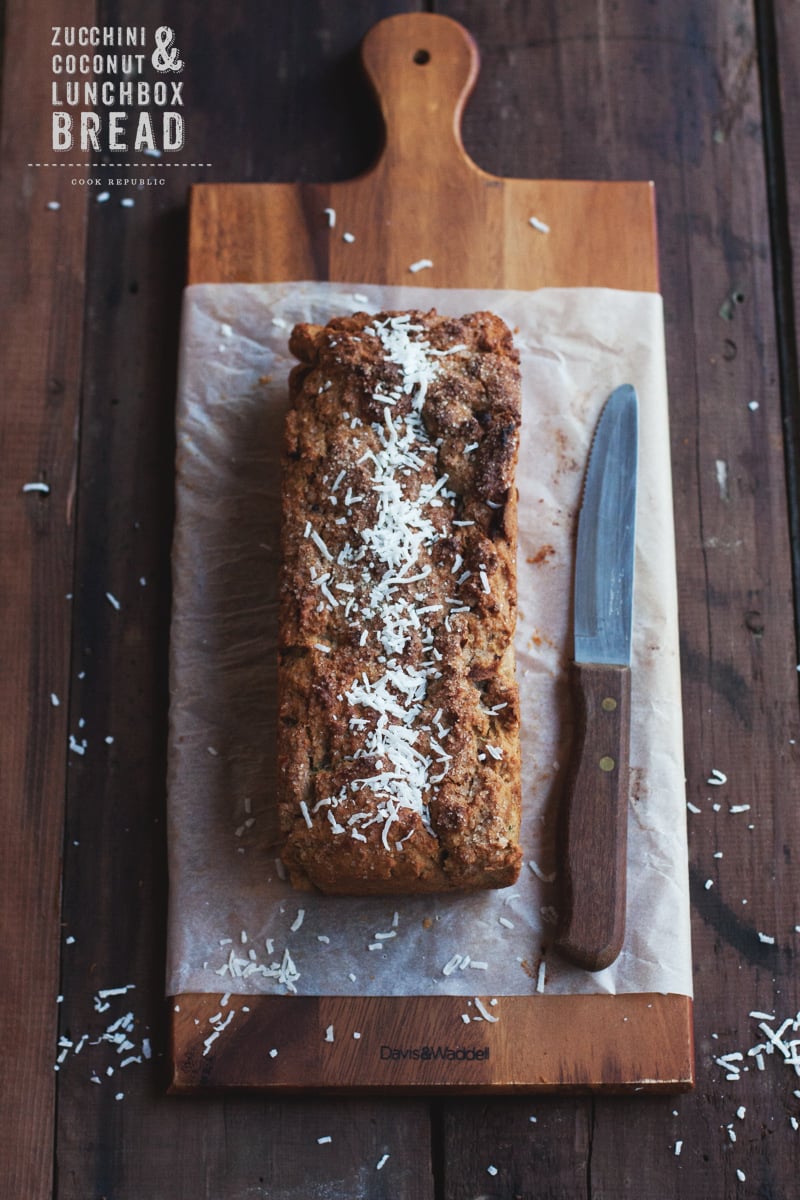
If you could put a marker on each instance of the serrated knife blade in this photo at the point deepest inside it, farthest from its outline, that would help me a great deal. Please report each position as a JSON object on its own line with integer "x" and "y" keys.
{"x": 593, "y": 826}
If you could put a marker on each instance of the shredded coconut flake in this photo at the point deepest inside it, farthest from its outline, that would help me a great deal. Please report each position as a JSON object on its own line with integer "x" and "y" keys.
{"x": 545, "y": 876}
{"x": 487, "y": 1016}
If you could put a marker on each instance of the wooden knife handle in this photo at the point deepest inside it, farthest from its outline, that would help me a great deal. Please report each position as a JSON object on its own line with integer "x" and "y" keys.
{"x": 594, "y": 819}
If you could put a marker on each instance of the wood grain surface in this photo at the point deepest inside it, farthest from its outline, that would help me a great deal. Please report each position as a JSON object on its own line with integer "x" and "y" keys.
{"x": 383, "y": 1045}
{"x": 676, "y": 93}
{"x": 42, "y": 253}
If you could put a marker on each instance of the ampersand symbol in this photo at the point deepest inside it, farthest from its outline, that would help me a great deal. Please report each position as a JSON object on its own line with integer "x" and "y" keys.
{"x": 165, "y": 59}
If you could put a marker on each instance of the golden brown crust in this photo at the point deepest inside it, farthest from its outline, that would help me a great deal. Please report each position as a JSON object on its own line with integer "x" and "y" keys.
{"x": 399, "y": 714}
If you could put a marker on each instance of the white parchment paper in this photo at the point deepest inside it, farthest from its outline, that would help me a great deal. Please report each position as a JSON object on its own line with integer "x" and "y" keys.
{"x": 234, "y": 924}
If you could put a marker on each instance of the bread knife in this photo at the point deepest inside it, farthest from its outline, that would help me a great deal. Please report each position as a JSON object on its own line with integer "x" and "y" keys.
{"x": 593, "y": 818}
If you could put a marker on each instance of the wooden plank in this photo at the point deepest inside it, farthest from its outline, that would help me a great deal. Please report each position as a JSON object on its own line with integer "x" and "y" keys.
{"x": 538, "y": 1147}
{"x": 383, "y": 1045}
{"x": 149, "y": 1144}
{"x": 245, "y": 233}
{"x": 672, "y": 95}
{"x": 424, "y": 197}
{"x": 779, "y": 55}
{"x": 41, "y": 298}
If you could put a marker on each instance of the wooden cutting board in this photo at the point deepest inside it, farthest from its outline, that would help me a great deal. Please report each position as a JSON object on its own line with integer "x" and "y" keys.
{"x": 425, "y": 199}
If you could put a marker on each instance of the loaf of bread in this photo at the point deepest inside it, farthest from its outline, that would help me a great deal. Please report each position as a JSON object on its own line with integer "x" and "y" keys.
{"x": 399, "y": 759}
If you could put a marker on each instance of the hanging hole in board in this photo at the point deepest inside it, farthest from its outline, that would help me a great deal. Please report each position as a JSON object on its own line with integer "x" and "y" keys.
{"x": 422, "y": 57}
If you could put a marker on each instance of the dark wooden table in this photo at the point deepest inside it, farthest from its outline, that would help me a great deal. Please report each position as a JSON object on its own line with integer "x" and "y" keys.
{"x": 702, "y": 96}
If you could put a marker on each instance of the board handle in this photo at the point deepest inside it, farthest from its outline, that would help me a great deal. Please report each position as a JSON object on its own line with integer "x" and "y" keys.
{"x": 422, "y": 67}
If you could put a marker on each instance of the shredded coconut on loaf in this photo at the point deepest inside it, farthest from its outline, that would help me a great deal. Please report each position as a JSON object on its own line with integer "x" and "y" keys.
{"x": 399, "y": 760}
